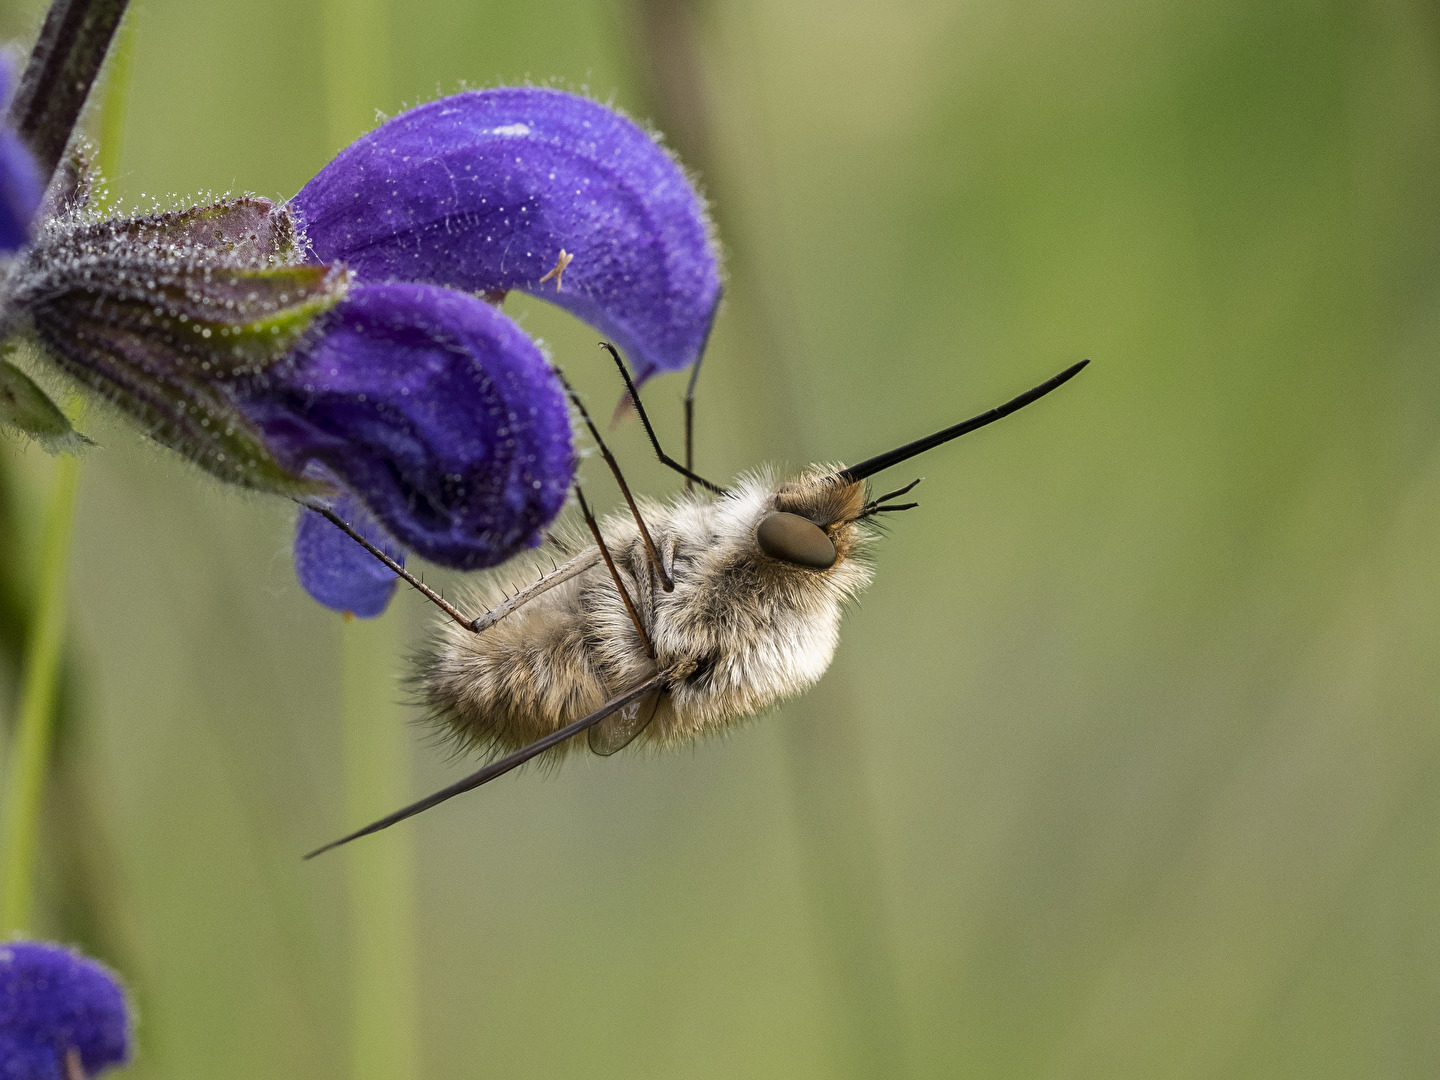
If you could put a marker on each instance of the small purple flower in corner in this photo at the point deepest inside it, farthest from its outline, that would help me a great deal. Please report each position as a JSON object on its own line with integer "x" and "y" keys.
{"x": 62, "y": 1015}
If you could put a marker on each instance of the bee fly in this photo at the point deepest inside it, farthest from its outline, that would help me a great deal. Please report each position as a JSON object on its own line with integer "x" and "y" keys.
{"x": 674, "y": 620}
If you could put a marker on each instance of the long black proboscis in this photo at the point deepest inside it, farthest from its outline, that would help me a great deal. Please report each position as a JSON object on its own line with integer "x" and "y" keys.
{"x": 505, "y": 764}
{"x": 871, "y": 466}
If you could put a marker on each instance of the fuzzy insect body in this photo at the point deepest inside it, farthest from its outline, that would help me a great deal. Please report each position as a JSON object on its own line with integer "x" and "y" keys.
{"x": 750, "y": 629}
{"x": 678, "y": 621}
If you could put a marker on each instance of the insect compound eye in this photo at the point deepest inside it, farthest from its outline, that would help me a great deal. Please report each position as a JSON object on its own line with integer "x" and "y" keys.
{"x": 794, "y": 539}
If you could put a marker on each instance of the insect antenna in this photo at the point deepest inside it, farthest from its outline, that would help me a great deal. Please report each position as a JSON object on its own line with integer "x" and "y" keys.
{"x": 665, "y": 459}
{"x": 887, "y": 509}
{"x": 513, "y": 761}
{"x": 883, "y": 504}
{"x": 614, "y": 573}
{"x": 665, "y": 579}
{"x": 894, "y": 494}
{"x": 400, "y": 571}
{"x": 871, "y": 466}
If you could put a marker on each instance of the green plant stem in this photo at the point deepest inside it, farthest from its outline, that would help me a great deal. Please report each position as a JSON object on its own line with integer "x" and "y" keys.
{"x": 383, "y": 1009}
{"x": 30, "y": 751}
{"x": 377, "y": 779}
{"x": 110, "y": 127}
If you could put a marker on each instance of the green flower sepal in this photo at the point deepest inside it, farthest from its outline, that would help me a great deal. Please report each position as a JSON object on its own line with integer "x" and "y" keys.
{"x": 24, "y": 407}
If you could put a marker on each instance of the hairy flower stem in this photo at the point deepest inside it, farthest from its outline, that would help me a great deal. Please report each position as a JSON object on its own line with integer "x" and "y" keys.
{"x": 30, "y": 752}
{"x": 63, "y": 66}
{"x": 383, "y": 1042}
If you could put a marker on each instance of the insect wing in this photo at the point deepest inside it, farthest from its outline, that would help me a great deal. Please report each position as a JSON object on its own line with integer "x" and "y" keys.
{"x": 619, "y": 729}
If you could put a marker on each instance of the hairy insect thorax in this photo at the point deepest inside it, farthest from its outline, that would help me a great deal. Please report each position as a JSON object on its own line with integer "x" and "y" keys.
{"x": 754, "y": 628}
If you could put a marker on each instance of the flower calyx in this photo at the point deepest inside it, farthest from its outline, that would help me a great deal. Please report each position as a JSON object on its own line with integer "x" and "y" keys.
{"x": 167, "y": 315}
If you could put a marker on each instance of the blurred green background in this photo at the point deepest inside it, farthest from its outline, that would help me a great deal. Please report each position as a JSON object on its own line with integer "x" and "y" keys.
{"x": 1127, "y": 766}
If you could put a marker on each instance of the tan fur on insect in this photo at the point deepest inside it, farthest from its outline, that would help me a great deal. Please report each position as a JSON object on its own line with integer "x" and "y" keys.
{"x": 756, "y": 629}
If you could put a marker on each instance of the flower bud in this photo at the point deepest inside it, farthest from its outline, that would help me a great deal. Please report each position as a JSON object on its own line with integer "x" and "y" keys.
{"x": 166, "y": 315}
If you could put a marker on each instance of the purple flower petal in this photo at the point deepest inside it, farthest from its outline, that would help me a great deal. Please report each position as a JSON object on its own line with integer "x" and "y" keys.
{"x": 20, "y": 190}
{"x": 481, "y": 191}
{"x": 55, "y": 1002}
{"x": 435, "y": 410}
{"x": 337, "y": 571}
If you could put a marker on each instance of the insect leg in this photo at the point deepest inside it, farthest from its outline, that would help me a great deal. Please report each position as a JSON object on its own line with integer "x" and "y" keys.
{"x": 665, "y": 459}
{"x": 515, "y": 760}
{"x": 400, "y": 571}
{"x": 620, "y": 585}
{"x": 690, "y": 420}
{"x": 690, "y": 400}
{"x": 578, "y": 565}
{"x": 665, "y": 579}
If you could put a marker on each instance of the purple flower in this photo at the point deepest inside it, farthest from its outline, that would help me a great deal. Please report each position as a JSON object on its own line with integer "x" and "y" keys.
{"x": 348, "y": 347}
{"x": 20, "y": 187}
{"x": 56, "y": 1004}
{"x": 431, "y": 406}
{"x": 436, "y": 411}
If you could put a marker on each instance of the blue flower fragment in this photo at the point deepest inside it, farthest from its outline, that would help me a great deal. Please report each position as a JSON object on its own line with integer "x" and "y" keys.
{"x": 20, "y": 187}
{"x": 431, "y": 406}
{"x": 483, "y": 190}
{"x": 56, "y": 1004}
{"x": 337, "y": 571}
